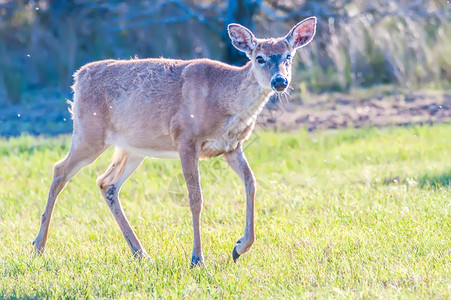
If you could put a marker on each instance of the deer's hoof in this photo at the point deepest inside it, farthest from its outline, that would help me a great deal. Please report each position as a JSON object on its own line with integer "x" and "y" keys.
{"x": 196, "y": 262}
{"x": 141, "y": 254}
{"x": 235, "y": 255}
{"x": 38, "y": 248}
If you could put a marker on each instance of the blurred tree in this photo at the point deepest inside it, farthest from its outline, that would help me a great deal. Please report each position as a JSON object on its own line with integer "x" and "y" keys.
{"x": 241, "y": 12}
{"x": 358, "y": 43}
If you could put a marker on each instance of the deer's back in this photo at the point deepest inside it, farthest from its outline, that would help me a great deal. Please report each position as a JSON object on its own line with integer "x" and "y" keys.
{"x": 148, "y": 103}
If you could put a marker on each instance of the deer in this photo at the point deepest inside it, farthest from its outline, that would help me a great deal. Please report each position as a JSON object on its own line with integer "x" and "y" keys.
{"x": 169, "y": 108}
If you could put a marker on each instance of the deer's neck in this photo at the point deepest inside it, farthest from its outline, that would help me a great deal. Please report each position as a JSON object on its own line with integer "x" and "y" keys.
{"x": 245, "y": 100}
{"x": 251, "y": 96}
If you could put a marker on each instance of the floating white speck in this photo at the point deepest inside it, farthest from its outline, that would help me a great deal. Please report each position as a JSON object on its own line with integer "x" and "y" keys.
{"x": 64, "y": 119}
{"x": 192, "y": 116}
{"x": 37, "y": 8}
{"x": 28, "y": 55}
{"x": 95, "y": 114}
{"x": 111, "y": 106}
{"x": 18, "y": 115}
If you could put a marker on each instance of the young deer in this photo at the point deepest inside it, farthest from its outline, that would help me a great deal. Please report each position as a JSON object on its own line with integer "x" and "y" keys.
{"x": 174, "y": 109}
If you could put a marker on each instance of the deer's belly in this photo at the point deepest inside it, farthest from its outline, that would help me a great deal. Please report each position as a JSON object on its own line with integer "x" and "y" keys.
{"x": 151, "y": 152}
{"x": 154, "y": 153}
{"x": 164, "y": 150}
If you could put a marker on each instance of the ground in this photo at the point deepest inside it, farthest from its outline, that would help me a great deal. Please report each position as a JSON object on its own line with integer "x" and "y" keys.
{"x": 374, "y": 107}
{"x": 350, "y": 213}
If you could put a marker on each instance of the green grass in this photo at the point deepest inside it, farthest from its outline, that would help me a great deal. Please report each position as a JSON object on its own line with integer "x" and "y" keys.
{"x": 353, "y": 213}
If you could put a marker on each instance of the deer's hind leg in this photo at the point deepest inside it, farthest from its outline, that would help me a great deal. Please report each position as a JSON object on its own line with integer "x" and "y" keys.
{"x": 83, "y": 151}
{"x": 123, "y": 165}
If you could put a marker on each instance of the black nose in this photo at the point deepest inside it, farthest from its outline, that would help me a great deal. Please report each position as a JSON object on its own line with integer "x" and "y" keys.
{"x": 279, "y": 83}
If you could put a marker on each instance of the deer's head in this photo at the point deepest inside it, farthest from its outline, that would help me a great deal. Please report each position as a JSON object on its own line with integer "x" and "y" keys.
{"x": 272, "y": 58}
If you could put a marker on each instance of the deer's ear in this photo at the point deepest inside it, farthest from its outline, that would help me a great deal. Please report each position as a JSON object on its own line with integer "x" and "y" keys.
{"x": 242, "y": 38}
{"x": 302, "y": 33}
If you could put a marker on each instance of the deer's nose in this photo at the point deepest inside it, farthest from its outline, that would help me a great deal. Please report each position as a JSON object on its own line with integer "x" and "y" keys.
{"x": 279, "y": 83}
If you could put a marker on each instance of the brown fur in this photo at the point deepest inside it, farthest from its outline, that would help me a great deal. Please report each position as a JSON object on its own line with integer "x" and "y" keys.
{"x": 172, "y": 108}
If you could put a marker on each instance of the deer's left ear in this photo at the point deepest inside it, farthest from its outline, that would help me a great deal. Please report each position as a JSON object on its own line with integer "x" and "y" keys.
{"x": 302, "y": 33}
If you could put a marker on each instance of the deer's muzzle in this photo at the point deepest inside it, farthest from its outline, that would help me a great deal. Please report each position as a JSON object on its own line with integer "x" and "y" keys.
{"x": 279, "y": 83}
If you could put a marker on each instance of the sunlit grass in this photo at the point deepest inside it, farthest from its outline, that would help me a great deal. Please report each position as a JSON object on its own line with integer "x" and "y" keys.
{"x": 350, "y": 213}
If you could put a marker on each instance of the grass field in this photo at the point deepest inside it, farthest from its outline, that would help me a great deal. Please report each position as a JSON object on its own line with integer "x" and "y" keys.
{"x": 362, "y": 213}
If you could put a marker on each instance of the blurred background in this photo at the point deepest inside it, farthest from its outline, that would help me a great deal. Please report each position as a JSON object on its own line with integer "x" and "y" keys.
{"x": 365, "y": 54}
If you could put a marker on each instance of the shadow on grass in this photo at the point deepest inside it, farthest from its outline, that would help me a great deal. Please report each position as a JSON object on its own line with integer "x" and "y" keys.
{"x": 428, "y": 181}
{"x": 13, "y": 296}
{"x": 435, "y": 181}
{"x": 27, "y": 144}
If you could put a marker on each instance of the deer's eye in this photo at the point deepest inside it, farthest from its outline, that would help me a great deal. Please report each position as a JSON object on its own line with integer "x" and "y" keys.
{"x": 260, "y": 59}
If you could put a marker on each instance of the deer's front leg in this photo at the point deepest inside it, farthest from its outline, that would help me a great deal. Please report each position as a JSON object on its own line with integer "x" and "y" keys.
{"x": 189, "y": 156}
{"x": 237, "y": 161}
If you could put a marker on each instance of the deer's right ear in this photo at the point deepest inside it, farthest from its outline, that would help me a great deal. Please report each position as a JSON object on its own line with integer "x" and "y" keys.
{"x": 242, "y": 38}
